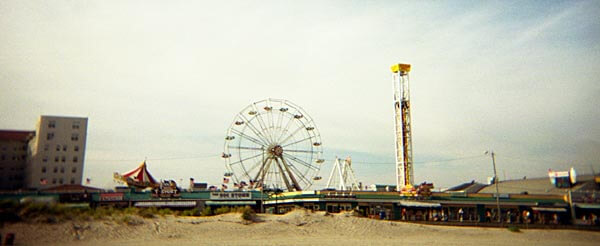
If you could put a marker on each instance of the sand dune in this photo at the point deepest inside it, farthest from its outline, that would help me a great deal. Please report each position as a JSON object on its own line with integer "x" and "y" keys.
{"x": 299, "y": 227}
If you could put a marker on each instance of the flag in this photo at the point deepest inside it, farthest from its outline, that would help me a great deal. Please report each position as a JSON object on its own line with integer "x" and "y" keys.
{"x": 225, "y": 180}
{"x": 43, "y": 181}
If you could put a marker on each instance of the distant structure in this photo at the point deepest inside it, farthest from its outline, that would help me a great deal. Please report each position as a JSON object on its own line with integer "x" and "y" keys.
{"x": 50, "y": 156}
{"x": 563, "y": 179}
{"x": 342, "y": 176}
{"x": 403, "y": 129}
{"x": 13, "y": 158}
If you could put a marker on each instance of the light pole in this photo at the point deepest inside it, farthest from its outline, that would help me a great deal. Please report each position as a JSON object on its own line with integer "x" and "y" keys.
{"x": 496, "y": 182}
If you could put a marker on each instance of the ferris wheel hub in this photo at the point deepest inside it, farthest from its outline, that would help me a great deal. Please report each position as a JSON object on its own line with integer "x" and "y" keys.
{"x": 276, "y": 150}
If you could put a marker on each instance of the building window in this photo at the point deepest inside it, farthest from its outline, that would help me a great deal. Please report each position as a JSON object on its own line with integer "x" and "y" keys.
{"x": 54, "y": 180}
{"x": 72, "y": 180}
{"x": 56, "y": 159}
{"x": 46, "y": 147}
{"x": 55, "y": 169}
{"x": 45, "y": 159}
{"x": 74, "y": 170}
{"x": 63, "y": 159}
{"x": 76, "y": 148}
{"x": 50, "y": 136}
{"x": 76, "y": 125}
{"x": 2, "y": 157}
{"x": 64, "y": 148}
{"x": 60, "y": 181}
{"x": 74, "y": 136}
{"x": 52, "y": 124}
{"x": 58, "y": 147}
{"x": 62, "y": 169}
{"x": 43, "y": 169}
{"x": 74, "y": 158}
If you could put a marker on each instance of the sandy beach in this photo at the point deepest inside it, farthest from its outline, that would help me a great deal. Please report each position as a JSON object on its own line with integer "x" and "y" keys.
{"x": 295, "y": 228}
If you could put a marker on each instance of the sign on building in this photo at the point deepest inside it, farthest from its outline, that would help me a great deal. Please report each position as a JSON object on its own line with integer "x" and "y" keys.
{"x": 230, "y": 196}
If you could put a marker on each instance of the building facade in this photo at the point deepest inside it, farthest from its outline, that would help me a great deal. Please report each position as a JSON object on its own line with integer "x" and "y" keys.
{"x": 13, "y": 158}
{"x": 56, "y": 153}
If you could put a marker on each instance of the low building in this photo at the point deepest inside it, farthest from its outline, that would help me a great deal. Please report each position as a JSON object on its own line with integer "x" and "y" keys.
{"x": 13, "y": 158}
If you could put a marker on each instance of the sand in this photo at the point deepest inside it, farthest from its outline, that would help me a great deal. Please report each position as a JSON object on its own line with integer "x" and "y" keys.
{"x": 299, "y": 227}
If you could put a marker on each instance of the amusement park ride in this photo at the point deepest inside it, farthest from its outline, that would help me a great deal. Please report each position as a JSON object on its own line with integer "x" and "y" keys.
{"x": 273, "y": 144}
{"x": 140, "y": 179}
{"x": 404, "y": 154}
{"x": 342, "y": 176}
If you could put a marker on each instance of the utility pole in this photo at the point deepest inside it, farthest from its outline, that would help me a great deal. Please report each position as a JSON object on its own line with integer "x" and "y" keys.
{"x": 496, "y": 183}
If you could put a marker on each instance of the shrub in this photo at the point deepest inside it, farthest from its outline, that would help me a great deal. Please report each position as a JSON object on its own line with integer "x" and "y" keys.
{"x": 102, "y": 212}
{"x": 165, "y": 211}
{"x": 207, "y": 211}
{"x": 148, "y": 212}
{"x": 222, "y": 210}
{"x": 9, "y": 211}
{"x": 248, "y": 214}
{"x": 192, "y": 212}
{"x": 131, "y": 210}
{"x": 514, "y": 229}
{"x": 131, "y": 220}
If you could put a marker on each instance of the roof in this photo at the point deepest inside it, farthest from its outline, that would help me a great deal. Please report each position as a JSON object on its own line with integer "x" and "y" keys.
{"x": 541, "y": 186}
{"x": 16, "y": 135}
{"x": 72, "y": 188}
{"x": 139, "y": 177}
{"x": 470, "y": 187}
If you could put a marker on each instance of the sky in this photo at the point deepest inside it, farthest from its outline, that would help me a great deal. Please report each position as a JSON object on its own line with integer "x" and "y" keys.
{"x": 163, "y": 80}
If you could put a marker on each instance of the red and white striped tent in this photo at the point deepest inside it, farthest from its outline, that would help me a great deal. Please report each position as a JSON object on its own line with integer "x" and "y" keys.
{"x": 139, "y": 177}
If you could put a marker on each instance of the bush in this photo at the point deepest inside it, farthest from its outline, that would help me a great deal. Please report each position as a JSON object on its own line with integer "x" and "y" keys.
{"x": 207, "y": 211}
{"x": 248, "y": 214}
{"x": 165, "y": 211}
{"x": 131, "y": 220}
{"x": 148, "y": 212}
{"x": 192, "y": 212}
{"x": 514, "y": 229}
{"x": 222, "y": 210}
{"x": 102, "y": 212}
{"x": 9, "y": 211}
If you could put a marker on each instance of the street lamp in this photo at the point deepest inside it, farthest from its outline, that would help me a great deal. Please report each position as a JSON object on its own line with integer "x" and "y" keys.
{"x": 496, "y": 182}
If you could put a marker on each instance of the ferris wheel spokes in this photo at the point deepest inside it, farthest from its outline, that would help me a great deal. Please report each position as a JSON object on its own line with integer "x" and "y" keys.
{"x": 300, "y": 161}
{"x": 258, "y": 133}
{"x": 259, "y": 142}
{"x": 245, "y": 159}
{"x": 299, "y": 141}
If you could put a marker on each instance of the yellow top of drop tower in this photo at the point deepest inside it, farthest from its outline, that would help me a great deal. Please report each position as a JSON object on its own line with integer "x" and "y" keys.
{"x": 400, "y": 67}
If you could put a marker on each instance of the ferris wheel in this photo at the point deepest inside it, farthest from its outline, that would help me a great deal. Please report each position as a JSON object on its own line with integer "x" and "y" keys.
{"x": 273, "y": 144}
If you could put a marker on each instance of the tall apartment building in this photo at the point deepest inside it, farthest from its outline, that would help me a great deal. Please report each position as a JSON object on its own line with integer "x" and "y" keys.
{"x": 56, "y": 153}
{"x": 13, "y": 158}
